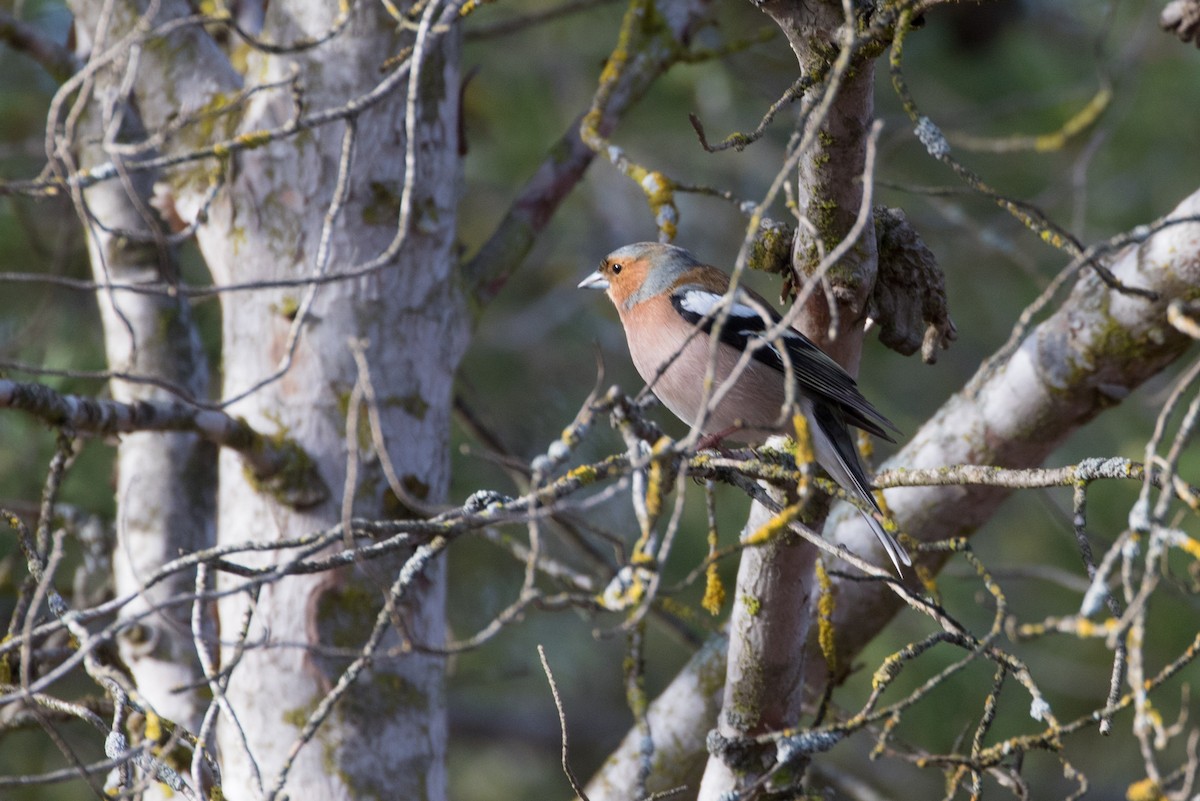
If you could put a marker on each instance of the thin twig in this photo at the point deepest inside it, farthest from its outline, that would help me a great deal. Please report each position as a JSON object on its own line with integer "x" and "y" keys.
{"x": 562, "y": 723}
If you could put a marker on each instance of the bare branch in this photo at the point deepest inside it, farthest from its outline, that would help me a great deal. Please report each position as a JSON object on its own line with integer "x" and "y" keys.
{"x": 562, "y": 722}
{"x": 276, "y": 461}
{"x": 57, "y": 60}
{"x": 636, "y": 64}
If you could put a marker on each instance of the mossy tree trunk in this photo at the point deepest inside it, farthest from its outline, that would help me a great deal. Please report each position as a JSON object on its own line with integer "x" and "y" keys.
{"x": 767, "y": 664}
{"x": 374, "y": 187}
{"x": 165, "y": 481}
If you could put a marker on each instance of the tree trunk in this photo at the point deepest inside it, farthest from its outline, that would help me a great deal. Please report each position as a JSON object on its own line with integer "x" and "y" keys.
{"x": 386, "y": 736}
{"x": 166, "y": 482}
{"x": 767, "y": 669}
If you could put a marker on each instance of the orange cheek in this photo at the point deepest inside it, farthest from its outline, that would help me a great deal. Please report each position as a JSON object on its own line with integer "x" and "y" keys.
{"x": 616, "y": 294}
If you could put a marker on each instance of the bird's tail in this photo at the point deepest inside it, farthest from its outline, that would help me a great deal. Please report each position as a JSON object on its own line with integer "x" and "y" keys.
{"x": 835, "y": 451}
{"x": 897, "y": 554}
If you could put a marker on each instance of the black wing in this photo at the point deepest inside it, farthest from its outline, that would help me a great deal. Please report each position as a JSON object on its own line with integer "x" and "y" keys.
{"x": 818, "y": 375}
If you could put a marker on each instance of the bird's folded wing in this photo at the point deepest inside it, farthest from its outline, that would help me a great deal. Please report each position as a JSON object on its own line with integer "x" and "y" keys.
{"x": 817, "y": 374}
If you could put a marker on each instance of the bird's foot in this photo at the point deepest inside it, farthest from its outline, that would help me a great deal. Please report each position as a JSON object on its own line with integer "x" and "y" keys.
{"x": 709, "y": 441}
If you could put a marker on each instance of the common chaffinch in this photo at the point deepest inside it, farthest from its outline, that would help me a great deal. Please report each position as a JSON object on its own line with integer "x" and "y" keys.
{"x": 669, "y": 303}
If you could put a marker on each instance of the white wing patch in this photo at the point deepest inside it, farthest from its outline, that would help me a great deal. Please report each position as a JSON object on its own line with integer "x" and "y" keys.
{"x": 757, "y": 333}
{"x": 702, "y": 303}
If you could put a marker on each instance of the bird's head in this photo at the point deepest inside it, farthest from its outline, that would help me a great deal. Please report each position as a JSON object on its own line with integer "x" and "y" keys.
{"x": 638, "y": 272}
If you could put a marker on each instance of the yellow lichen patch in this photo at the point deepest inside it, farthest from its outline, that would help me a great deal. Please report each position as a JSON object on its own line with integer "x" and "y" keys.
{"x": 825, "y": 634}
{"x": 1078, "y": 123}
{"x": 773, "y": 527}
{"x": 584, "y": 474}
{"x": 752, "y": 605}
{"x": 1086, "y": 628}
{"x": 213, "y": 9}
{"x": 657, "y": 476}
{"x": 6, "y": 675}
{"x": 659, "y": 188}
{"x": 253, "y": 139}
{"x": 1190, "y": 546}
{"x": 660, "y": 194}
{"x": 802, "y": 450}
{"x": 640, "y": 557}
{"x": 866, "y": 445}
{"x": 1145, "y": 790}
{"x": 1052, "y": 238}
{"x": 654, "y": 490}
{"x": 888, "y": 522}
{"x": 928, "y": 580}
{"x": 287, "y": 307}
{"x": 714, "y": 591}
{"x": 154, "y": 728}
{"x": 627, "y": 588}
{"x": 886, "y": 671}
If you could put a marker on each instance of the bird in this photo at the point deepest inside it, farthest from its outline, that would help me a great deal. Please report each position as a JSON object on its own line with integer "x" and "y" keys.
{"x": 670, "y": 302}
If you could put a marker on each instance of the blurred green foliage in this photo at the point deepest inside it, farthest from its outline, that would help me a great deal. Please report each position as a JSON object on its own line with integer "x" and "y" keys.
{"x": 1025, "y": 69}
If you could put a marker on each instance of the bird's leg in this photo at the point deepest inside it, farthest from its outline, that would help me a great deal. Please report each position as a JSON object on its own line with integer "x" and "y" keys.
{"x": 714, "y": 440}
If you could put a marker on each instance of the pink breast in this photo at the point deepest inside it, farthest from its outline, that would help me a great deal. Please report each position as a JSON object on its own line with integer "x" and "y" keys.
{"x": 753, "y": 403}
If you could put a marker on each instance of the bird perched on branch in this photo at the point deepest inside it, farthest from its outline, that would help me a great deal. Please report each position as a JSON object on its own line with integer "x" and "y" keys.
{"x": 675, "y": 313}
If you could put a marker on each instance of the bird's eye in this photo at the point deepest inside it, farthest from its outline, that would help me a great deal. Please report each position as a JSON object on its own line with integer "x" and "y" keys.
{"x": 616, "y": 269}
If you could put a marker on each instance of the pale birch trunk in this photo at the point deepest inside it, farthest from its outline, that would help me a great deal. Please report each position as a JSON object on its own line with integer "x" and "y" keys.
{"x": 166, "y": 482}
{"x": 386, "y": 736}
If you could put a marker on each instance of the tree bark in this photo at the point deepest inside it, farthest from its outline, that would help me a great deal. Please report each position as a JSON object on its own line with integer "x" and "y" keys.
{"x": 1099, "y": 346}
{"x": 385, "y": 737}
{"x": 766, "y": 668}
{"x": 166, "y": 482}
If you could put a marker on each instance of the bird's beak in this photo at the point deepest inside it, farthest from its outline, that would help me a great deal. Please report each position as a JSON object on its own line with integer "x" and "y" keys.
{"x": 594, "y": 281}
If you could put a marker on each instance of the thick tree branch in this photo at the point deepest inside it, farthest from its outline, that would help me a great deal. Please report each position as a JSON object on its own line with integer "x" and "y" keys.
{"x": 834, "y": 248}
{"x": 57, "y": 60}
{"x": 276, "y": 462}
{"x": 1087, "y": 357}
{"x": 1098, "y": 347}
